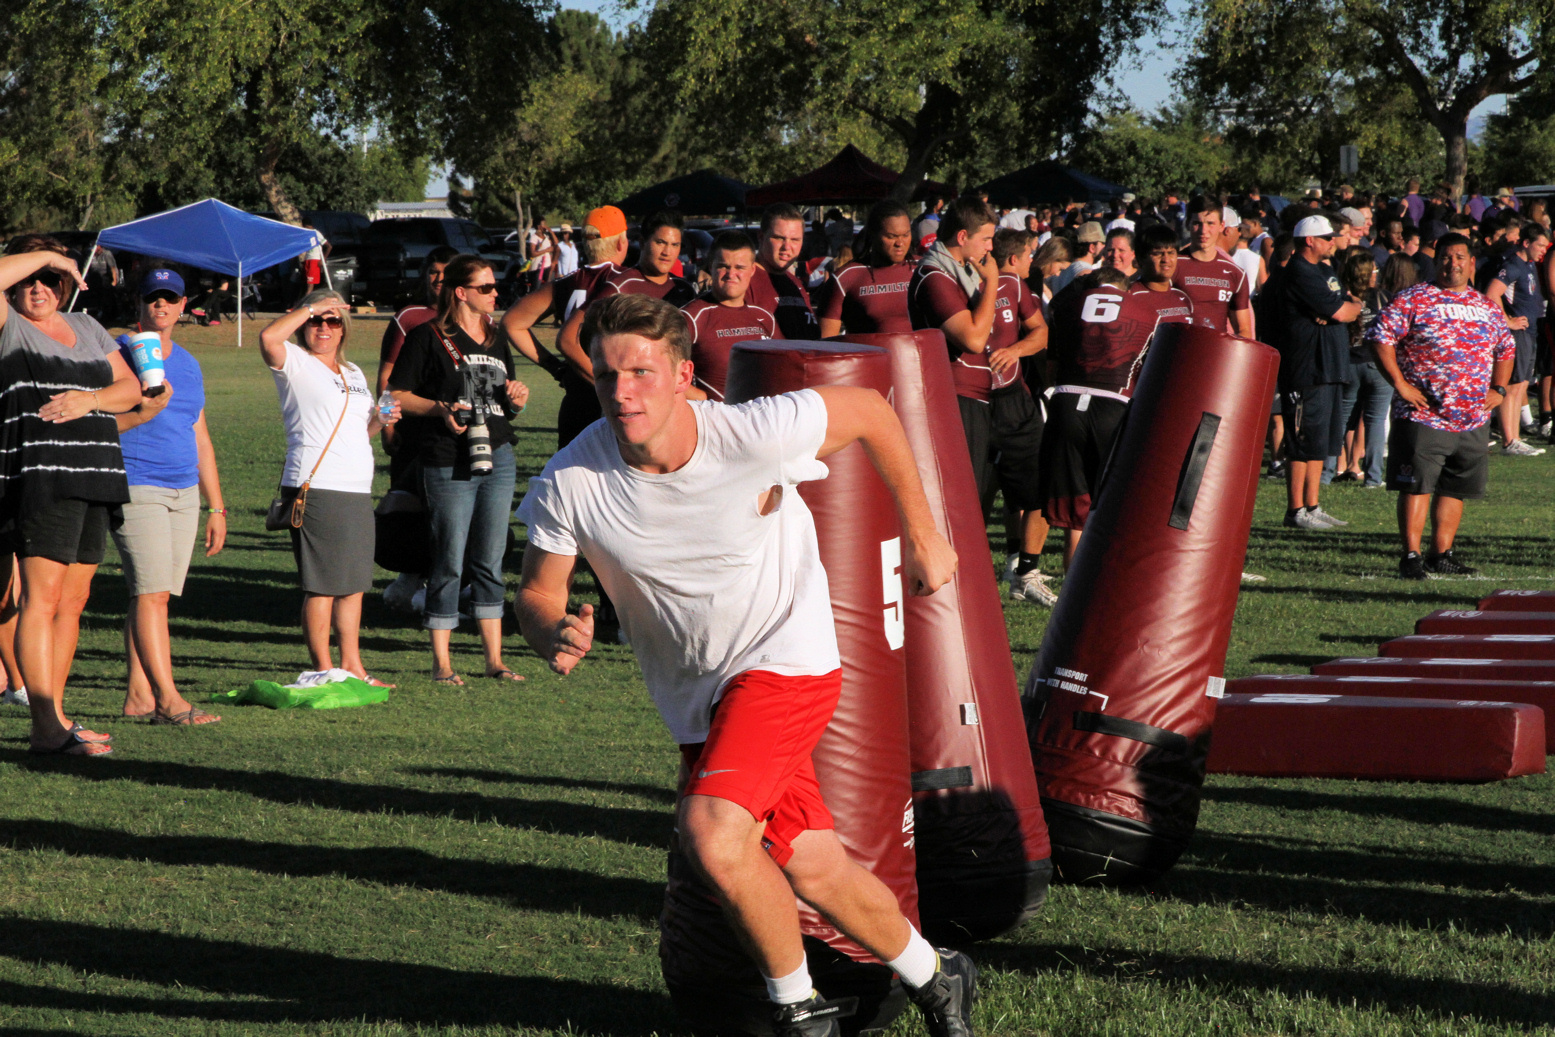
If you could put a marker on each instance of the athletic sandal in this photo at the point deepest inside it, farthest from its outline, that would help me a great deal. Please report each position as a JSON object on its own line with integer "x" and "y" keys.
{"x": 73, "y": 745}
{"x": 376, "y": 683}
{"x": 77, "y": 729}
{"x": 190, "y": 717}
{"x": 453, "y": 680}
{"x": 505, "y": 674}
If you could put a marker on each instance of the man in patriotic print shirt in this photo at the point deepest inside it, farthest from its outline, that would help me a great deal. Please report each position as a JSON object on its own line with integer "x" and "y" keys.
{"x": 1448, "y": 352}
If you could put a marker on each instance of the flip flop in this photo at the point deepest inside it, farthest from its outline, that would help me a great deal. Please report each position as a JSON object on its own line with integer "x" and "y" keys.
{"x": 190, "y": 717}
{"x": 505, "y": 674}
{"x": 375, "y": 682}
{"x": 77, "y": 729}
{"x": 453, "y": 680}
{"x": 73, "y": 745}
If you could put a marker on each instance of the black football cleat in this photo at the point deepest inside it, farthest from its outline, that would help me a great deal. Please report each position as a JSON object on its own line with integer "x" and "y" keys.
{"x": 946, "y": 1000}
{"x": 812, "y": 1017}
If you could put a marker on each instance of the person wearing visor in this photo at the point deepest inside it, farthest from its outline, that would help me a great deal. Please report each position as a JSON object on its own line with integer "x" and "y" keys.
{"x": 171, "y": 465}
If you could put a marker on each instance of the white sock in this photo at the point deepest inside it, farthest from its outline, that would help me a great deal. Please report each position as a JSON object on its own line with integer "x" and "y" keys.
{"x": 918, "y": 961}
{"x": 1528, "y": 414}
{"x": 792, "y": 988}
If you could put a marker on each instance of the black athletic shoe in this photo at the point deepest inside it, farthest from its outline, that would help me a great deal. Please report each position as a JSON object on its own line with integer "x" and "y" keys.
{"x": 1445, "y": 564}
{"x": 812, "y": 1017}
{"x": 946, "y": 1001}
{"x": 1411, "y": 567}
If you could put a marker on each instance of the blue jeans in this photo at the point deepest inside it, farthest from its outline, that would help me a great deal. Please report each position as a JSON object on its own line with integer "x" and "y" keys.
{"x": 1371, "y": 406}
{"x": 1351, "y": 387}
{"x": 469, "y": 520}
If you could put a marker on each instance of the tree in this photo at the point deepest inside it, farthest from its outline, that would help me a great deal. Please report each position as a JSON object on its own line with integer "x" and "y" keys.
{"x": 922, "y": 74}
{"x": 1280, "y": 61}
{"x": 1174, "y": 149}
{"x": 1519, "y": 145}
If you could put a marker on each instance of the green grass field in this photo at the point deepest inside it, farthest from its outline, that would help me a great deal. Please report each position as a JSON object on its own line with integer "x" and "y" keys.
{"x": 490, "y": 859}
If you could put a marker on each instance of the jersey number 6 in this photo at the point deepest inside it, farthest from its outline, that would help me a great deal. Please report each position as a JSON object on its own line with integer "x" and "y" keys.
{"x": 1101, "y": 309}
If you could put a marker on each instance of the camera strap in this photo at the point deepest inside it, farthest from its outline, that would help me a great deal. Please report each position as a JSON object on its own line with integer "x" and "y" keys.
{"x": 448, "y": 344}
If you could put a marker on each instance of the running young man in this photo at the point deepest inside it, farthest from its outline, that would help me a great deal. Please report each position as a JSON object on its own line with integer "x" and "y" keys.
{"x": 723, "y": 317}
{"x": 1098, "y": 347}
{"x": 870, "y": 296}
{"x": 773, "y": 287}
{"x": 1222, "y": 297}
{"x": 1448, "y": 352}
{"x": 733, "y": 629}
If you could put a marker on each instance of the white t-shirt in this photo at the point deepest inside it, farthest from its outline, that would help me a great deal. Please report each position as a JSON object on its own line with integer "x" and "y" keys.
{"x": 1249, "y": 261}
{"x": 1015, "y": 219}
{"x": 311, "y": 399}
{"x": 566, "y": 258}
{"x": 705, "y": 586}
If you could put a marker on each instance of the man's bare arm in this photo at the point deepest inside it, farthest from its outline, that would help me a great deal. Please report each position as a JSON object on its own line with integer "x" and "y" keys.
{"x": 855, "y": 415}
{"x": 541, "y": 607}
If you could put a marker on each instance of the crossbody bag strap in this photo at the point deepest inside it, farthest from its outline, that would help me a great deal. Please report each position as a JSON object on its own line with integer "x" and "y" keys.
{"x": 330, "y": 442}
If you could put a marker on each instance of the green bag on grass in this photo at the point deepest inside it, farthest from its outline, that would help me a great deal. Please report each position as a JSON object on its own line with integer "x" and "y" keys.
{"x": 338, "y": 695}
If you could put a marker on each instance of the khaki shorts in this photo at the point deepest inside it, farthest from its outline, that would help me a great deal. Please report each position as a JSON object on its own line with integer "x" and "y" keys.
{"x": 157, "y": 538}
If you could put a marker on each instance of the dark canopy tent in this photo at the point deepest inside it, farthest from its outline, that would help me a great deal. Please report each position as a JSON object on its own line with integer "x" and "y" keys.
{"x": 1051, "y": 182}
{"x": 850, "y": 177}
{"x": 212, "y": 235}
{"x": 703, "y": 193}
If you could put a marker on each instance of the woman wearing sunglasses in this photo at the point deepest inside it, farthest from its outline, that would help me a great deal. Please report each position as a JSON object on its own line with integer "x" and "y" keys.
{"x": 330, "y": 418}
{"x": 468, "y": 510}
{"x": 62, "y": 476}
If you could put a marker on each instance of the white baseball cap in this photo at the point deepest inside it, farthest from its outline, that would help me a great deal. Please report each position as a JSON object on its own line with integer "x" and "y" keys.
{"x": 1230, "y": 217}
{"x": 1314, "y": 227}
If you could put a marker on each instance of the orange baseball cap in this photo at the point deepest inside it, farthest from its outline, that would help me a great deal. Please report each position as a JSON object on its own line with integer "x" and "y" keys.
{"x": 608, "y": 220}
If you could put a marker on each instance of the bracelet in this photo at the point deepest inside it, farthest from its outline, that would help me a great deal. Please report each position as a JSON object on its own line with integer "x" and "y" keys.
{"x": 97, "y": 402}
{"x": 216, "y": 511}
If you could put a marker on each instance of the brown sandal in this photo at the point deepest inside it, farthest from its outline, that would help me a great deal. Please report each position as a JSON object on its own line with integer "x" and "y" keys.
{"x": 190, "y": 717}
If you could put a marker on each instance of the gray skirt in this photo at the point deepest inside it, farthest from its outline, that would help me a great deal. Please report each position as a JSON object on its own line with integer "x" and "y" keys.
{"x": 334, "y": 547}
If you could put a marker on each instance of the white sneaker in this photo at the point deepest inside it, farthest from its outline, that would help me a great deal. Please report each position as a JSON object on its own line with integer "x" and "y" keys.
{"x": 1517, "y": 448}
{"x": 1248, "y": 577}
{"x": 1011, "y": 563}
{"x": 1547, "y": 428}
{"x": 14, "y": 697}
{"x": 1324, "y": 516}
{"x": 1032, "y": 587}
{"x": 401, "y": 594}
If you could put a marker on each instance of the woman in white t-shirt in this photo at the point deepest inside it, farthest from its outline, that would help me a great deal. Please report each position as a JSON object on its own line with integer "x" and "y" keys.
{"x": 330, "y": 418}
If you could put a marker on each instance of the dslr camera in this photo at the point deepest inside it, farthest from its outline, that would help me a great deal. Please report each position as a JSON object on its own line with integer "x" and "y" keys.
{"x": 484, "y": 395}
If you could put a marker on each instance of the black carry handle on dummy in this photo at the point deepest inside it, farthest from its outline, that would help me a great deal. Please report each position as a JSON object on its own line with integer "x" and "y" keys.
{"x": 1193, "y": 470}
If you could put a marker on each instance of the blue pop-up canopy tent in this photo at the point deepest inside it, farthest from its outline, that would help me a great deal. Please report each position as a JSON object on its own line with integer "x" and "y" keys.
{"x": 212, "y": 235}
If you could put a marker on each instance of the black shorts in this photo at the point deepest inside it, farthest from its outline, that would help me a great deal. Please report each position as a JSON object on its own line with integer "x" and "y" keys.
{"x": 1081, "y": 431}
{"x": 1544, "y": 340}
{"x": 1526, "y": 357}
{"x": 1423, "y": 460}
{"x": 1004, "y": 437}
{"x": 70, "y": 532}
{"x": 1314, "y": 421}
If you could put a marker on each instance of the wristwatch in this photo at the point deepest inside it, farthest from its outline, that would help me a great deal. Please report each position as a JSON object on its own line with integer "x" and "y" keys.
{"x": 1498, "y": 388}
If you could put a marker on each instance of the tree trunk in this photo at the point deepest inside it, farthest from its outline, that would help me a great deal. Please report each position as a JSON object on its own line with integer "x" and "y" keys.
{"x": 1456, "y": 137}
{"x": 280, "y": 203}
{"x": 932, "y": 127}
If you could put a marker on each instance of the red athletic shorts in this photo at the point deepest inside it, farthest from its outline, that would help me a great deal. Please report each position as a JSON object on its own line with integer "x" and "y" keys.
{"x": 313, "y": 270}
{"x": 758, "y": 753}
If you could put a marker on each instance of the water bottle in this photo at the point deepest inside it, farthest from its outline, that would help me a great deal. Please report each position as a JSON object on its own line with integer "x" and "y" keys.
{"x": 385, "y": 405}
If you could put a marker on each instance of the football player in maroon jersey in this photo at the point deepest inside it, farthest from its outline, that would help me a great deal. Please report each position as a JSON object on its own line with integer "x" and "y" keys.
{"x": 1222, "y": 297}
{"x": 773, "y": 286}
{"x": 724, "y": 317}
{"x": 870, "y": 295}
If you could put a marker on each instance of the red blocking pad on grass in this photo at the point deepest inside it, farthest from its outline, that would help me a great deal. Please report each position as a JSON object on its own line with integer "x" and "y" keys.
{"x": 1302, "y": 735}
{"x": 1472, "y": 646}
{"x": 1413, "y": 685}
{"x": 1518, "y": 601}
{"x": 1446, "y": 665}
{"x": 1476, "y": 621}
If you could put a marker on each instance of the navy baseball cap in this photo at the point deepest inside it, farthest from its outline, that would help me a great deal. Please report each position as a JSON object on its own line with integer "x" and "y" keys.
{"x": 161, "y": 281}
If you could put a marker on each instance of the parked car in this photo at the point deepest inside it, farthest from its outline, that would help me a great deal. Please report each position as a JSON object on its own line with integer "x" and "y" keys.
{"x": 391, "y": 258}
{"x": 345, "y": 232}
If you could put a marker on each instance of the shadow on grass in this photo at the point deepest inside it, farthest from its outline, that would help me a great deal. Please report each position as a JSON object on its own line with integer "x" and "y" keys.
{"x": 524, "y": 886}
{"x": 649, "y": 828}
{"x": 1425, "y": 810}
{"x": 1343, "y": 988}
{"x": 653, "y": 792}
{"x": 306, "y": 986}
{"x": 1290, "y": 660}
